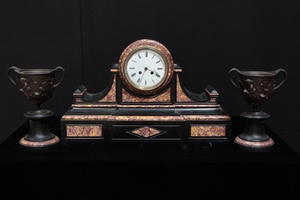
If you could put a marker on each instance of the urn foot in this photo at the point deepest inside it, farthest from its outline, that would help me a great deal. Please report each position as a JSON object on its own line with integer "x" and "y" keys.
{"x": 254, "y": 146}
{"x": 39, "y": 145}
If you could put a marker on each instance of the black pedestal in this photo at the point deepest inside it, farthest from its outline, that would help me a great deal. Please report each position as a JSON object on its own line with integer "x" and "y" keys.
{"x": 39, "y": 137}
{"x": 254, "y": 138}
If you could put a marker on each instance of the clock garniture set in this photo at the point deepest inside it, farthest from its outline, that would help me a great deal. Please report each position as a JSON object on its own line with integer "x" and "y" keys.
{"x": 145, "y": 101}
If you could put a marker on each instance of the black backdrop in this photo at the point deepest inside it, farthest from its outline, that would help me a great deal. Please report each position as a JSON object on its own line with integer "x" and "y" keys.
{"x": 206, "y": 38}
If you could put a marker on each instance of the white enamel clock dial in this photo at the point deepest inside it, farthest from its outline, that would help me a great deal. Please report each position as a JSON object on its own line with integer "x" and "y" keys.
{"x": 146, "y": 67}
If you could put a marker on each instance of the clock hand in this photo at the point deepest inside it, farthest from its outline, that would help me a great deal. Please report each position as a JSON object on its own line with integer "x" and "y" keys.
{"x": 140, "y": 80}
{"x": 153, "y": 72}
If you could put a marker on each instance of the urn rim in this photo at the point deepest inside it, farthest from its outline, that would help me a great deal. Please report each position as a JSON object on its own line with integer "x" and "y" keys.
{"x": 258, "y": 73}
{"x": 34, "y": 71}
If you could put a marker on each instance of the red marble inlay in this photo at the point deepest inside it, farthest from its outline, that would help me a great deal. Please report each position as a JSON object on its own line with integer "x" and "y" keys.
{"x": 208, "y": 131}
{"x": 84, "y": 130}
{"x": 146, "y": 131}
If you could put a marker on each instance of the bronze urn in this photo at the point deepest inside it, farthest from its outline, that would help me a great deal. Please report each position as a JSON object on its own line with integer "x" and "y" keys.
{"x": 37, "y": 85}
{"x": 256, "y": 87}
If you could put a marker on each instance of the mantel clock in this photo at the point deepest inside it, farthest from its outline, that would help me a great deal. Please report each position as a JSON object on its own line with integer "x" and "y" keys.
{"x": 145, "y": 102}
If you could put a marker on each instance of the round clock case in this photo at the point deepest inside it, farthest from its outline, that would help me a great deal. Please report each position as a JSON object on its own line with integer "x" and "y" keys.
{"x": 146, "y": 67}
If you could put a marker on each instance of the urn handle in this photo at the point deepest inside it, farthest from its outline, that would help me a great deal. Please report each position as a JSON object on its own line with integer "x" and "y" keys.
{"x": 284, "y": 77}
{"x": 230, "y": 72}
{"x": 62, "y": 77}
{"x": 9, "y": 75}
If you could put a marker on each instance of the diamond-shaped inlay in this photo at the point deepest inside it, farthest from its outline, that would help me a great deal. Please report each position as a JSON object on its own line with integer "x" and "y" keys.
{"x": 146, "y": 131}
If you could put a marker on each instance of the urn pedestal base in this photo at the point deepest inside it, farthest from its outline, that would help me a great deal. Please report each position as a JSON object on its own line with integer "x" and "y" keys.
{"x": 254, "y": 138}
{"x": 39, "y": 137}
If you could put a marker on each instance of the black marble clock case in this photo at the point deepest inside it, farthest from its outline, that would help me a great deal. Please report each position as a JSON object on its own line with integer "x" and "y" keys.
{"x": 175, "y": 114}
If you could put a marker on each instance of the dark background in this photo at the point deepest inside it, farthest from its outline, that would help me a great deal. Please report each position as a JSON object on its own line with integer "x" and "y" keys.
{"x": 206, "y": 38}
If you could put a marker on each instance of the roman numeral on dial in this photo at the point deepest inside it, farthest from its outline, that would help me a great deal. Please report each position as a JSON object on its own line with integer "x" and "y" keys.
{"x": 133, "y": 75}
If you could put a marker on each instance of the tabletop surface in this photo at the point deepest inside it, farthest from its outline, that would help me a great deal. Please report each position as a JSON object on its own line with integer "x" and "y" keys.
{"x": 149, "y": 170}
